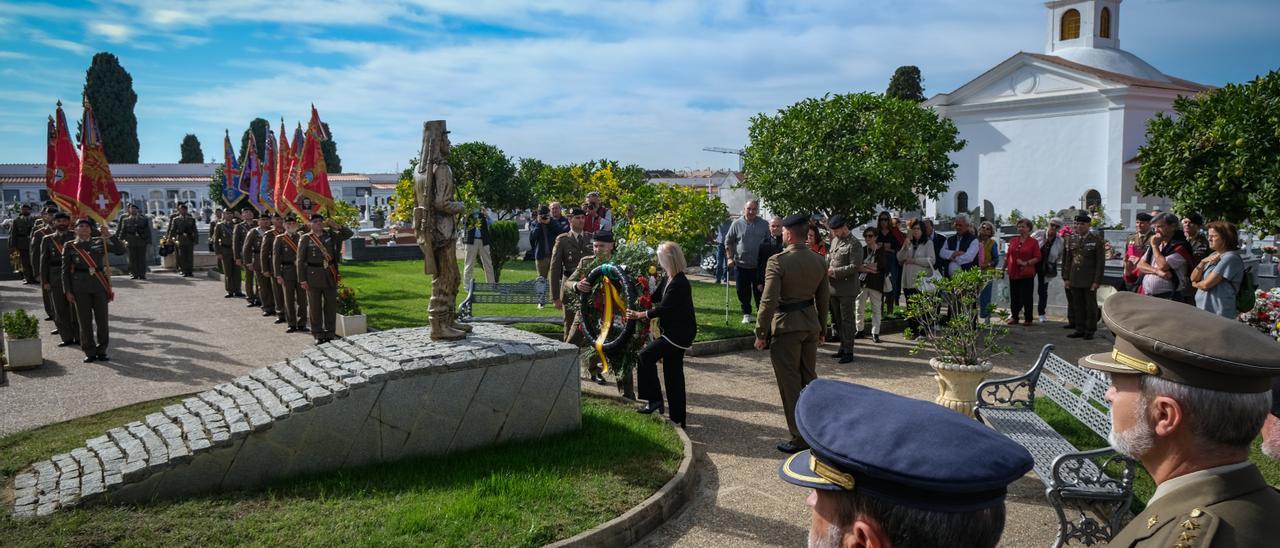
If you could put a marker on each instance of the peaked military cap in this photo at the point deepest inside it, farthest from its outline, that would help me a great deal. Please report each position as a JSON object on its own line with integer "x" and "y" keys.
{"x": 887, "y": 446}
{"x": 26, "y": 207}
{"x": 1144, "y": 217}
{"x": 576, "y": 211}
{"x": 1083, "y": 218}
{"x": 317, "y": 217}
{"x": 290, "y": 218}
{"x": 603, "y": 236}
{"x": 836, "y": 221}
{"x": 61, "y": 215}
{"x": 85, "y": 221}
{"x": 795, "y": 220}
{"x": 1186, "y": 345}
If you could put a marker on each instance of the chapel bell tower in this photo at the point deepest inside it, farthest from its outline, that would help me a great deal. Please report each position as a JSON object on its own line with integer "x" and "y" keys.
{"x": 1083, "y": 24}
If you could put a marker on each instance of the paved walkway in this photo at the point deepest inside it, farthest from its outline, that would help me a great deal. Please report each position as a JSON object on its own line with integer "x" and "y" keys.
{"x": 735, "y": 419}
{"x": 169, "y": 336}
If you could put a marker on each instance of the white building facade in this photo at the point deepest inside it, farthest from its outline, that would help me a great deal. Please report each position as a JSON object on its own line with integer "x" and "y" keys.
{"x": 1060, "y": 129}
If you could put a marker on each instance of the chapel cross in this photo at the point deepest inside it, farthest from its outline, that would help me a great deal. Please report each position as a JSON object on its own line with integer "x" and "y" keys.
{"x": 1131, "y": 210}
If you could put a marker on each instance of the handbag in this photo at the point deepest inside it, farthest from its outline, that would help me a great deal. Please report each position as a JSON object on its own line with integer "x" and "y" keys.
{"x": 929, "y": 283}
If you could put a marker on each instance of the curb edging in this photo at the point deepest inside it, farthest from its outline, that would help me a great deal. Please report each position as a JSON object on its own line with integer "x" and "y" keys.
{"x": 646, "y": 517}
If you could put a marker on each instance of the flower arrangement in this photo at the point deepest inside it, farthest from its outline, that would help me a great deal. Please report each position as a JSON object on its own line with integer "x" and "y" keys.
{"x": 1265, "y": 316}
{"x": 632, "y": 260}
{"x": 348, "y": 305}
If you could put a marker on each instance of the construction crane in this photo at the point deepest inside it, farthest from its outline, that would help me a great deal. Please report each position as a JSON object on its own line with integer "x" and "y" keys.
{"x": 723, "y": 150}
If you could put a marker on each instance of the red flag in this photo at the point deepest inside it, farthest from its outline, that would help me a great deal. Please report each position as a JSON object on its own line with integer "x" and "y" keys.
{"x": 62, "y": 174}
{"x": 313, "y": 180}
{"x": 290, "y": 191}
{"x": 284, "y": 160}
{"x": 96, "y": 194}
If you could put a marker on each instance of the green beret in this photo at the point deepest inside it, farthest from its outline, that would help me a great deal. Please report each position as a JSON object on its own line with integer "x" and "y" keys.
{"x": 1186, "y": 345}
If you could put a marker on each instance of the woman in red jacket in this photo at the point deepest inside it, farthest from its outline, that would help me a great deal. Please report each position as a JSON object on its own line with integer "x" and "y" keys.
{"x": 1020, "y": 264}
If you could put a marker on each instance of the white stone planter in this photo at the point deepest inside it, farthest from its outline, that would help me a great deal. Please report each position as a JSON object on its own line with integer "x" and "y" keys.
{"x": 958, "y": 384}
{"x": 23, "y": 353}
{"x": 351, "y": 325}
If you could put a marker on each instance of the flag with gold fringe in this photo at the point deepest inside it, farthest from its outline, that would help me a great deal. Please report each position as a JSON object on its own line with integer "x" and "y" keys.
{"x": 251, "y": 175}
{"x": 231, "y": 194}
{"x": 314, "y": 194}
{"x": 62, "y": 173}
{"x": 266, "y": 189}
{"x": 96, "y": 194}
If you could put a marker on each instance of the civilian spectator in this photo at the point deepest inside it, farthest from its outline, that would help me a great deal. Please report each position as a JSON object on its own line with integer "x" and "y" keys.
{"x": 477, "y": 244}
{"x": 890, "y": 239}
{"x": 741, "y": 250}
{"x": 961, "y": 248}
{"x": 1021, "y": 263}
{"x": 1047, "y": 269}
{"x": 549, "y": 224}
{"x": 875, "y": 282}
{"x": 988, "y": 259}
{"x": 916, "y": 257}
{"x": 938, "y": 241}
{"x": 814, "y": 240}
{"x": 768, "y": 248}
{"x": 1166, "y": 266}
{"x": 599, "y": 217}
{"x": 1217, "y": 277}
{"x": 1192, "y": 226}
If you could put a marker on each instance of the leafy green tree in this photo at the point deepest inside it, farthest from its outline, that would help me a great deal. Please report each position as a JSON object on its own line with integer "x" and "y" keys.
{"x": 108, "y": 87}
{"x": 489, "y": 173}
{"x": 849, "y": 154}
{"x": 569, "y": 184}
{"x": 1219, "y": 154}
{"x": 191, "y": 151}
{"x": 906, "y": 84}
{"x": 345, "y": 214}
{"x": 259, "y": 128}
{"x": 684, "y": 215}
{"x": 403, "y": 200}
{"x": 332, "y": 163}
{"x": 215, "y": 186}
{"x": 526, "y": 179}
{"x": 558, "y": 184}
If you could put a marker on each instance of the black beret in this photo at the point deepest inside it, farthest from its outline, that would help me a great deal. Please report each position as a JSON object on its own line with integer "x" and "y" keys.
{"x": 61, "y": 215}
{"x": 836, "y": 221}
{"x": 50, "y": 210}
{"x": 182, "y": 205}
{"x": 846, "y": 426}
{"x": 317, "y": 217}
{"x": 576, "y": 211}
{"x": 50, "y": 203}
{"x": 133, "y": 206}
{"x": 290, "y": 218}
{"x": 1186, "y": 345}
{"x": 795, "y": 220}
{"x": 1144, "y": 217}
{"x": 603, "y": 236}
{"x": 1083, "y": 218}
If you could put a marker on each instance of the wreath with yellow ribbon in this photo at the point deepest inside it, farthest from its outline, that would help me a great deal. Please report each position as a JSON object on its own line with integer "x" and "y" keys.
{"x": 604, "y": 308}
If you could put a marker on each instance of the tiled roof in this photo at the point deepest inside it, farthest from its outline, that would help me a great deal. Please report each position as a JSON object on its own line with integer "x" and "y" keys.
{"x": 1174, "y": 83}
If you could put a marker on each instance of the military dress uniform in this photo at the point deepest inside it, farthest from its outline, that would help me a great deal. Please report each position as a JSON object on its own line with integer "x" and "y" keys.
{"x": 20, "y": 238}
{"x": 135, "y": 232}
{"x": 252, "y": 254}
{"x": 84, "y": 279}
{"x": 1082, "y": 266}
{"x": 223, "y": 239}
{"x": 284, "y": 258}
{"x": 317, "y": 265}
{"x": 844, "y": 260}
{"x": 237, "y": 248}
{"x": 183, "y": 234}
{"x": 266, "y": 265}
{"x": 793, "y": 309}
{"x": 42, "y": 229}
{"x": 1229, "y": 505}
{"x": 567, "y": 255}
{"x": 50, "y": 259}
{"x": 1136, "y": 245}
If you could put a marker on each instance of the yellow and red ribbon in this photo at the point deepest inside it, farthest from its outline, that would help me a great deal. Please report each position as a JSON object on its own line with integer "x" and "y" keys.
{"x": 611, "y": 296}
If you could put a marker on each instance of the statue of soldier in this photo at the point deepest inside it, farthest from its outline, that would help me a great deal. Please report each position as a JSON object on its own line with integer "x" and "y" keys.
{"x": 435, "y": 220}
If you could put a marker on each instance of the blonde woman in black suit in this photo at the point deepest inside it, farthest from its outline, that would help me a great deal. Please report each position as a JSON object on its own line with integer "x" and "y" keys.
{"x": 673, "y": 306}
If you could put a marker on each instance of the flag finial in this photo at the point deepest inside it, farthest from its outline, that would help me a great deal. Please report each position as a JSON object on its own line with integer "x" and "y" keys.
{"x": 59, "y": 103}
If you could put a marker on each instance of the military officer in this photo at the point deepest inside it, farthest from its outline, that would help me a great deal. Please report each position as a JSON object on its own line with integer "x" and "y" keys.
{"x": 237, "y": 247}
{"x": 20, "y": 236}
{"x": 183, "y": 234}
{"x": 50, "y": 259}
{"x": 284, "y": 259}
{"x": 574, "y": 286}
{"x": 252, "y": 256}
{"x": 1189, "y": 392}
{"x": 222, "y": 238}
{"x": 87, "y": 284}
{"x": 844, "y": 262}
{"x": 567, "y": 252}
{"x": 43, "y": 227}
{"x": 1082, "y": 265}
{"x": 135, "y": 231}
{"x": 267, "y": 264}
{"x": 793, "y": 309}
{"x": 317, "y": 266}
{"x": 1136, "y": 245}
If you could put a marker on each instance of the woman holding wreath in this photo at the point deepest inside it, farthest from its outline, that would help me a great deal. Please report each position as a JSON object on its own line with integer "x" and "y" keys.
{"x": 673, "y": 304}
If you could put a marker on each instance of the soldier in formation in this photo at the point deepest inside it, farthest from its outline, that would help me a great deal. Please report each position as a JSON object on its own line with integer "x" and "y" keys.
{"x": 567, "y": 252}
{"x": 237, "y": 249}
{"x": 183, "y": 234}
{"x": 135, "y": 231}
{"x": 86, "y": 283}
{"x": 317, "y": 266}
{"x": 251, "y": 254}
{"x": 43, "y": 227}
{"x": 50, "y": 261}
{"x": 266, "y": 264}
{"x": 284, "y": 263}
{"x": 222, "y": 237}
{"x": 20, "y": 236}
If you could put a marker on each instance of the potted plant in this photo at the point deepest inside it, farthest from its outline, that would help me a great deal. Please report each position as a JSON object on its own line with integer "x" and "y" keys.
{"x": 351, "y": 320}
{"x": 21, "y": 340}
{"x": 948, "y": 324}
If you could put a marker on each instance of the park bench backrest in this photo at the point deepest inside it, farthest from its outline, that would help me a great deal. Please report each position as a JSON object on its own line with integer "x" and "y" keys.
{"x": 527, "y": 292}
{"x": 1081, "y": 392}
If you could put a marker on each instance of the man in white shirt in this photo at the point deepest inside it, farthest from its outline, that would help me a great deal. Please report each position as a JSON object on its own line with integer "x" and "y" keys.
{"x": 961, "y": 248}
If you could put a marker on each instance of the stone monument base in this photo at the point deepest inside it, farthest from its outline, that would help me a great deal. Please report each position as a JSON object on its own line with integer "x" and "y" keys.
{"x": 369, "y": 398}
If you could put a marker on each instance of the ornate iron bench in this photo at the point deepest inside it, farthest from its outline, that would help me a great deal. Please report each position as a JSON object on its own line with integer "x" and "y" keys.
{"x": 1090, "y": 490}
{"x": 528, "y": 292}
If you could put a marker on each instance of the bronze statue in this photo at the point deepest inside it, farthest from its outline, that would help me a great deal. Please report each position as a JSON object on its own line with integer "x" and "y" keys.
{"x": 435, "y": 221}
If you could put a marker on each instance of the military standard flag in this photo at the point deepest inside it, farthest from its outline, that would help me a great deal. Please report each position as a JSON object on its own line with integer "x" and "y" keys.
{"x": 313, "y": 179}
{"x": 251, "y": 177}
{"x": 284, "y": 161}
{"x": 231, "y": 194}
{"x": 266, "y": 187}
{"x": 62, "y": 173}
{"x": 96, "y": 194}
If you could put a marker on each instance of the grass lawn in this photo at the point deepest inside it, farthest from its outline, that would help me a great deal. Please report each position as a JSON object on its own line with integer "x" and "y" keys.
{"x": 395, "y": 293}
{"x": 520, "y": 494}
{"x": 1084, "y": 439}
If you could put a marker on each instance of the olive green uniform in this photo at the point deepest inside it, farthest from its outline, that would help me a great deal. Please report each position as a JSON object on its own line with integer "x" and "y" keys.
{"x": 576, "y": 336}
{"x": 135, "y": 232}
{"x": 1228, "y": 506}
{"x": 317, "y": 265}
{"x": 183, "y": 234}
{"x": 223, "y": 237}
{"x": 50, "y": 259}
{"x": 266, "y": 265}
{"x": 80, "y": 279}
{"x": 1082, "y": 265}
{"x": 566, "y": 254}
{"x": 843, "y": 260}
{"x": 37, "y": 236}
{"x": 793, "y": 309}
{"x": 252, "y": 255}
{"x": 237, "y": 247}
{"x": 284, "y": 259}
{"x": 20, "y": 239}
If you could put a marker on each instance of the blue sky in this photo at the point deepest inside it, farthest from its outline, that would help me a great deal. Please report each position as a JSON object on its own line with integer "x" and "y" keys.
{"x": 647, "y": 82}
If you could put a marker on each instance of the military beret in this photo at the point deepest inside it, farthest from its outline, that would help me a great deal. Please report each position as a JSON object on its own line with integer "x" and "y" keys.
{"x": 132, "y": 206}
{"x": 182, "y": 205}
{"x": 50, "y": 203}
{"x": 574, "y": 211}
{"x": 61, "y": 215}
{"x": 885, "y": 446}
{"x": 1083, "y": 218}
{"x": 1186, "y": 345}
{"x": 1144, "y": 217}
{"x": 317, "y": 217}
{"x": 290, "y": 218}
{"x": 603, "y": 236}
{"x": 50, "y": 210}
{"x": 795, "y": 220}
{"x": 836, "y": 221}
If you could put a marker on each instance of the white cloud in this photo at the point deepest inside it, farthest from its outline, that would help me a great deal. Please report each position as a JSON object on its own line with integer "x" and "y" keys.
{"x": 66, "y": 45}
{"x": 13, "y": 55}
{"x": 113, "y": 32}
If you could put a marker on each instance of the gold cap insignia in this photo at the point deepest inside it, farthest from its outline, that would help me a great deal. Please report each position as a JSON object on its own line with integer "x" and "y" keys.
{"x": 1196, "y": 512}
{"x": 829, "y": 473}
{"x": 1152, "y": 521}
{"x": 1145, "y": 366}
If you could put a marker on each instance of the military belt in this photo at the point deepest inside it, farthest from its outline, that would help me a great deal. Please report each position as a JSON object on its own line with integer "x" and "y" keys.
{"x": 315, "y": 264}
{"x": 792, "y": 307}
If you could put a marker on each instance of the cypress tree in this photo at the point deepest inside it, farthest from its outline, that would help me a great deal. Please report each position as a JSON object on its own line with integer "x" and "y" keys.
{"x": 191, "y": 151}
{"x": 108, "y": 88}
{"x": 259, "y": 128}
{"x": 906, "y": 84}
{"x": 332, "y": 163}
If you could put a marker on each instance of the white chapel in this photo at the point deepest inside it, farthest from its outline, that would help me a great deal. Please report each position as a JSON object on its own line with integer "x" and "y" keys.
{"x": 1059, "y": 129}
